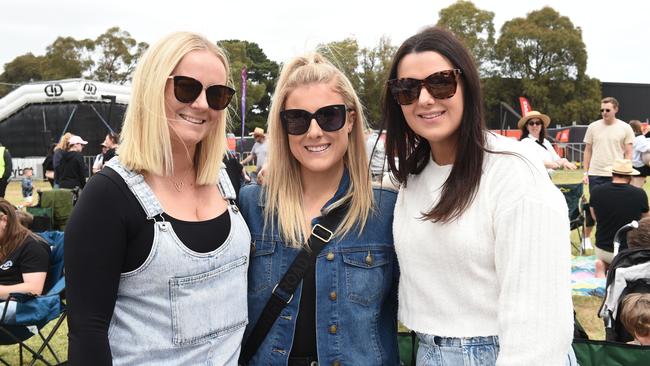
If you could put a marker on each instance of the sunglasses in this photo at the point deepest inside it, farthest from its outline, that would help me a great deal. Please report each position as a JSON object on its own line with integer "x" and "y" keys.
{"x": 330, "y": 118}
{"x": 604, "y": 110}
{"x": 187, "y": 89}
{"x": 534, "y": 123}
{"x": 440, "y": 85}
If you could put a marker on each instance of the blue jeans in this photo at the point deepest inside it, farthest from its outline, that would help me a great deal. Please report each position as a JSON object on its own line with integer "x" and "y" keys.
{"x": 447, "y": 351}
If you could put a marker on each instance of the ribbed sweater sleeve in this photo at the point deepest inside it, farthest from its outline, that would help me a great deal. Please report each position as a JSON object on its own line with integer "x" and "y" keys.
{"x": 532, "y": 262}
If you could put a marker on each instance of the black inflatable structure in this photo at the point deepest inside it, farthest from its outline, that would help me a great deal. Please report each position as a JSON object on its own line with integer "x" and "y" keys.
{"x": 36, "y": 115}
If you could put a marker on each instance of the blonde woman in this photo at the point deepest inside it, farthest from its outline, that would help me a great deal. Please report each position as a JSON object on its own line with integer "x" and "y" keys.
{"x": 344, "y": 310}
{"x": 156, "y": 253}
{"x": 59, "y": 150}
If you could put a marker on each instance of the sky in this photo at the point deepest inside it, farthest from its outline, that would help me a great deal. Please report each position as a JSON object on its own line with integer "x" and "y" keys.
{"x": 616, "y": 34}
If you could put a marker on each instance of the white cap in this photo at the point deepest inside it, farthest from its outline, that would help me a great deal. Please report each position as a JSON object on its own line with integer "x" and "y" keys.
{"x": 76, "y": 140}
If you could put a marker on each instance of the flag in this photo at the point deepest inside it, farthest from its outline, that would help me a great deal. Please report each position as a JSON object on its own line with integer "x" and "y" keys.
{"x": 525, "y": 106}
{"x": 243, "y": 110}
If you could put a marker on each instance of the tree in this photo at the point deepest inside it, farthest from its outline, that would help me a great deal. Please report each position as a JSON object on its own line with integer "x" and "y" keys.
{"x": 546, "y": 52}
{"x": 117, "y": 54}
{"x": 375, "y": 66}
{"x": 66, "y": 58}
{"x": 261, "y": 77}
{"x": 475, "y": 27}
{"x": 345, "y": 56}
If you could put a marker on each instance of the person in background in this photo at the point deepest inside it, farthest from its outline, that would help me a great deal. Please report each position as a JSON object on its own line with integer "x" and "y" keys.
{"x": 72, "y": 169}
{"x": 376, "y": 150}
{"x": 533, "y": 133}
{"x": 635, "y": 316}
{"x": 640, "y": 237}
{"x": 48, "y": 165}
{"x": 477, "y": 221}
{"x": 258, "y": 152}
{"x": 606, "y": 140}
{"x": 59, "y": 150}
{"x": 6, "y": 168}
{"x": 27, "y": 185}
{"x": 24, "y": 258}
{"x": 111, "y": 141}
{"x": 640, "y": 147}
{"x": 613, "y": 205}
{"x": 98, "y": 163}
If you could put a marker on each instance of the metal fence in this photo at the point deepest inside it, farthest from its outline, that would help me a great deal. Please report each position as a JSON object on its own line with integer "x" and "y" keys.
{"x": 573, "y": 151}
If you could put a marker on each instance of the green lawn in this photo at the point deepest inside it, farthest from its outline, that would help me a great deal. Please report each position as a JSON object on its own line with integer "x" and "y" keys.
{"x": 586, "y": 307}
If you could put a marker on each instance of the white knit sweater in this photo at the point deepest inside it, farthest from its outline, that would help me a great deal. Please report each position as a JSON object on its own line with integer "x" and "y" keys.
{"x": 503, "y": 268}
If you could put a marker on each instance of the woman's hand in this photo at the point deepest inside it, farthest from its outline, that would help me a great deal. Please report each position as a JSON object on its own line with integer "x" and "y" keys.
{"x": 568, "y": 165}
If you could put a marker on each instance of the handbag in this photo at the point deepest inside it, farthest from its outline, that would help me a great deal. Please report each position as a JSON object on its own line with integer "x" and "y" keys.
{"x": 282, "y": 293}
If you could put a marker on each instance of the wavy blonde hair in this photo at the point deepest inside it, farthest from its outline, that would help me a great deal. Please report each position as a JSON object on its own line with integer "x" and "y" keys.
{"x": 63, "y": 142}
{"x": 283, "y": 192}
{"x": 146, "y": 143}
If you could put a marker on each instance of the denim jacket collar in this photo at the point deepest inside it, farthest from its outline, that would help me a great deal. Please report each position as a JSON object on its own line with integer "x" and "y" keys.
{"x": 335, "y": 201}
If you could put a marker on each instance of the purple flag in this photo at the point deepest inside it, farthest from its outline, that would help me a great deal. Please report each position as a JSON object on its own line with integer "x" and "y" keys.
{"x": 243, "y": 110}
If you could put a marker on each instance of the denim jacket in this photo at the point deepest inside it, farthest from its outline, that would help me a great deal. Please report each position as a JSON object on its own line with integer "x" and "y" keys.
{"x": 356, "y": 287}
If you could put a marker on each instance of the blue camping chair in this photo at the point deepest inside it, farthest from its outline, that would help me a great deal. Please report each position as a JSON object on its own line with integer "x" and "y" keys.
{"x": 34, "y": 312}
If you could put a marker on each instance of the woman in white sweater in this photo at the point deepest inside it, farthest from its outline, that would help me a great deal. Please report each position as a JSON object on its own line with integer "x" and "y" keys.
{"x": 481, "y": 233}
{"x": 533, "y": 133}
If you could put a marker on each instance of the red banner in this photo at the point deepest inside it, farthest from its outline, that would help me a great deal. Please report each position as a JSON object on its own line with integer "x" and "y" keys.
{"x": 525, "y": 106}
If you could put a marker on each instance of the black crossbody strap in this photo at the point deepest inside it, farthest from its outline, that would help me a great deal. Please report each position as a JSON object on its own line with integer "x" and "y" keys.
{"x": 282, "y": 293}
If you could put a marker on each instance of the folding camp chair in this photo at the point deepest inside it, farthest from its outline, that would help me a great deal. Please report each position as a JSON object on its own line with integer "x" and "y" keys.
{"x": 33, "y": 312}
{"x": 575, "y": 200}
{"x": 61, "y": 202}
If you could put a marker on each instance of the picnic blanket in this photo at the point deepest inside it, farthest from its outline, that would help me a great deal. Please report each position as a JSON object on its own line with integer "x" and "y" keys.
{"x": 583, "y": 281}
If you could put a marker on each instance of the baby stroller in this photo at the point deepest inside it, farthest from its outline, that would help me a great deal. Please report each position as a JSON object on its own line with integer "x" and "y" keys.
{"x": 628, "y": 273}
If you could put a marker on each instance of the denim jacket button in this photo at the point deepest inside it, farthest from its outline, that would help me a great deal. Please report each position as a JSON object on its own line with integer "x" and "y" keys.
{"x": 336, "y": 363}
{"x": 333, "y": 329}
{"x": 333, "y": 295}
{"x": 369, "y": 259}
{"x": 330, "y": 256}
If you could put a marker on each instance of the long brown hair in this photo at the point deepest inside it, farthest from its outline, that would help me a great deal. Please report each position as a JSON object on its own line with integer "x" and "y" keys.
{"x": 414, "y": 152}
{"x": 14, "y": 233}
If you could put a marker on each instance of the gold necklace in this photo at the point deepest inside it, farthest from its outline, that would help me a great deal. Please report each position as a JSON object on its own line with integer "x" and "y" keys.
{"x": 179, "y": 185}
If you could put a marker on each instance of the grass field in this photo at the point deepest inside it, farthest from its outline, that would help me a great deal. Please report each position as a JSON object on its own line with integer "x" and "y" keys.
{"x": 585, "y": 307}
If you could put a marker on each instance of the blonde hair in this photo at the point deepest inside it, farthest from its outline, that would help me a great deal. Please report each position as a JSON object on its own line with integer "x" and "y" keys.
{"x": 283, "y": 191}
{"x": 635, "y": 314}
{"x": 636, "y": 127}
{"x": 146, "y": 143}
{"x": 63, "y": 142}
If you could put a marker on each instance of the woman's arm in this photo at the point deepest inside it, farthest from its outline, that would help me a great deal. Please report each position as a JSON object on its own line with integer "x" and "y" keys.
{"x": 95, "y": 250}
{"x": 32, "y": 283}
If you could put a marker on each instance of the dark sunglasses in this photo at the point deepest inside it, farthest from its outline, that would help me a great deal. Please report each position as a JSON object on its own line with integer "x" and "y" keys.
{"x": 604, "y": 110}
{"x": 440, "y": 85}
{"x": 534, "y": 123}
{"x": 330, "y": 118}
{"x": 187, "y": 89}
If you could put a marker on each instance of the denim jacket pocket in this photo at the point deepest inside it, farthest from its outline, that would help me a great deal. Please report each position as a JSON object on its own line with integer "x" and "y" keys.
{"x": 259, "y": 272}
{"x": 365, "y": 269}
{"x": 210, "y": 304}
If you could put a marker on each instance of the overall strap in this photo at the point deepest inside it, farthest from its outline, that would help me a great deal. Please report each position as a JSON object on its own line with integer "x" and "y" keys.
{"x": 282, "y": 293}
{"x": 139, "y": 188}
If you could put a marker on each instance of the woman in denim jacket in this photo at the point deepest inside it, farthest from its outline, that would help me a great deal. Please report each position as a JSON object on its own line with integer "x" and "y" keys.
{"x": 344, "y": 311}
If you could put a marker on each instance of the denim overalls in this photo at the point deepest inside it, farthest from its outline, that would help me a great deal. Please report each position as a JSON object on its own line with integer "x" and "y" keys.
{"x": 181, "y": 307}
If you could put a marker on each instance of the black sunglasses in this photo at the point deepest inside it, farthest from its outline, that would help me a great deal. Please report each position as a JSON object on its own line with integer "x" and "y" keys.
{"x": 330, "y": 118}
{"x": 187, "y": 89}
{"x": 604, "y": 110}
{"x": 440, "y": 85}
{"x": 534, "y": 123}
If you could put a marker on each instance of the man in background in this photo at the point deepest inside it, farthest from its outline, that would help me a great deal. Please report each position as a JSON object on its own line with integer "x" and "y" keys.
{"x": 614, "y": 205}
{"x": 606, "y": 140}
{"x": 259, "y": 151}
{"x": 5, "y": 169}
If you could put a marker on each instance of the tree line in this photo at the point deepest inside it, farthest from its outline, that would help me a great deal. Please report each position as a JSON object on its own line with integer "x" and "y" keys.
{"x": 540, "y": 56}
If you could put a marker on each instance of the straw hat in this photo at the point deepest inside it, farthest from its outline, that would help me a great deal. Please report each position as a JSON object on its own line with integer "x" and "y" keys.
{"x": 257, "y": 132}
{"x": 534, "y": 114}
{"x": 622, "y": 167}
